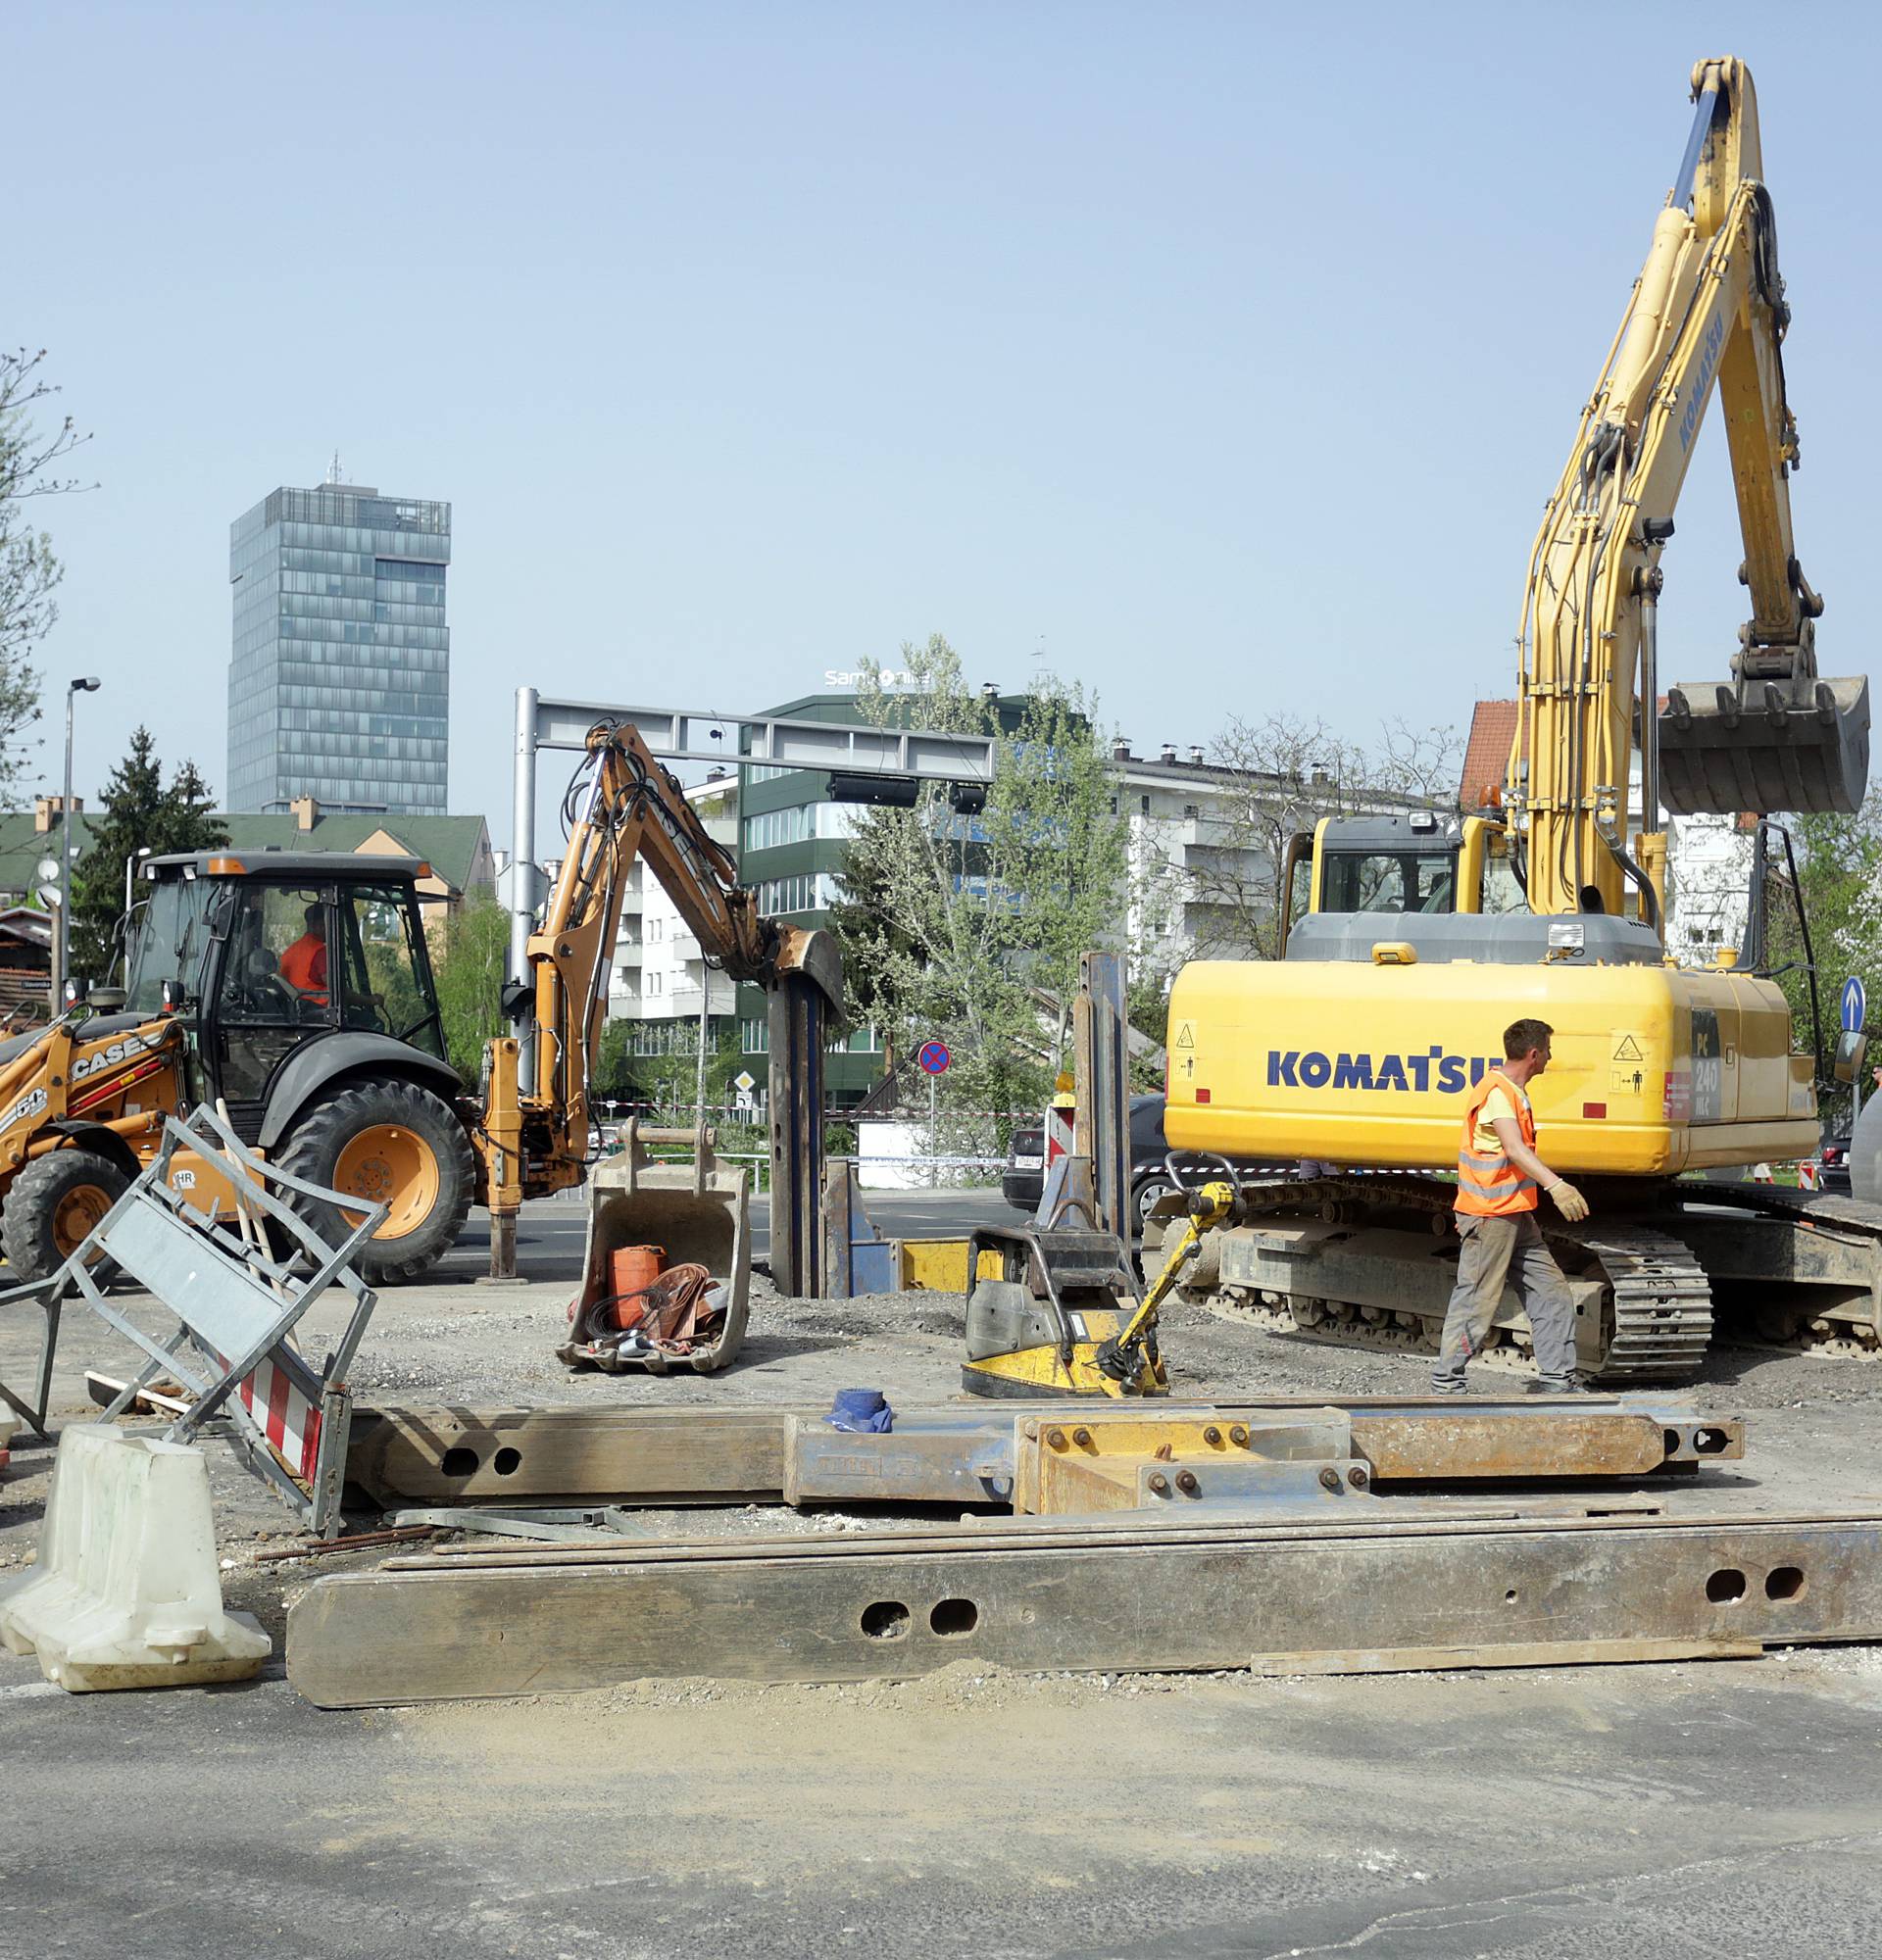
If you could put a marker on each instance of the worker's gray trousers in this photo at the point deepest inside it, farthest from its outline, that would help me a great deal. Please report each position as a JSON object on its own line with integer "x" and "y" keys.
{"x": 1497, "y": 1250}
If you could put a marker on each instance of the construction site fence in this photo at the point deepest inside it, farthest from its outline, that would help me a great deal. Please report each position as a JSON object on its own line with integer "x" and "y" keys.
{"x": 941, "y": 1169}
{"x": 666, "y": 1113}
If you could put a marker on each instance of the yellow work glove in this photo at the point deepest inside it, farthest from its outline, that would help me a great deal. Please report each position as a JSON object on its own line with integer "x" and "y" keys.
{"x": 1568, "y": 1200}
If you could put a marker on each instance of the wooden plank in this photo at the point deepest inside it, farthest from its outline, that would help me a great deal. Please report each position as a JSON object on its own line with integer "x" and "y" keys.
{"x": 462, "y": 1629}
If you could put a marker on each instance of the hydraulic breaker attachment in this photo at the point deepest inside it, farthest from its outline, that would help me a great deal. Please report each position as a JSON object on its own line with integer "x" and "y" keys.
{"x": 1764, "y": 745}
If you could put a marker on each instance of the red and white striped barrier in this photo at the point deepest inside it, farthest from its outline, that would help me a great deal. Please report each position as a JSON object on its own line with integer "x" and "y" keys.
{"x": 290, "y": 1420}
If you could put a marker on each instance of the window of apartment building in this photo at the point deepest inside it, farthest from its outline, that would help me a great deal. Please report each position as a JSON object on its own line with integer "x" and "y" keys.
{"x": 755, "y": 1037}
{"x": 794, "y": 895}
{"x": 1143, "y": 803}
{"x": 771, "y": 827}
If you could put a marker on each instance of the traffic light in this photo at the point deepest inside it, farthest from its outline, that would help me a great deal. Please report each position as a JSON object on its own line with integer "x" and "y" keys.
{"x": 891, "y": 792}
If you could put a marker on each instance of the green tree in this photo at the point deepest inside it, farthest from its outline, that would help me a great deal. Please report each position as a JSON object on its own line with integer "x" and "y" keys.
{"x": 30, "y": 572}
{"x": 954, "y": 926}
{"x": 469, "y": 974}
{"x": 1839, "y": 880}
{"x": 138, "y": 813}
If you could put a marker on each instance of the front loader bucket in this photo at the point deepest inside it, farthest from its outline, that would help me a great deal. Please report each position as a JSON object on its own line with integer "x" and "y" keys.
{"x": 698, "y": 1211}
{"x": 1764, "y": 746}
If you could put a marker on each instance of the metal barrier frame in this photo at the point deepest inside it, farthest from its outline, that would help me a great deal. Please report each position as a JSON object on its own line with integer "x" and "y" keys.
{"x": 209, "y": 1377}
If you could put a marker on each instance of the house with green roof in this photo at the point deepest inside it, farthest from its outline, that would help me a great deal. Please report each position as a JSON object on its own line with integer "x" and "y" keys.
{"x": 457, "y": 848}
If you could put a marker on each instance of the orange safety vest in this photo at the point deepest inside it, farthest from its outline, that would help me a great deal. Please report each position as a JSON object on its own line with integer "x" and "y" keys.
{"x": 1491, "y": 1186}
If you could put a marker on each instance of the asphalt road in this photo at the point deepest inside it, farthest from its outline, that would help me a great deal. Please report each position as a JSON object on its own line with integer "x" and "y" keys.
{"x": 549, "y": 1234}
{"x": 1722, "y": 1809}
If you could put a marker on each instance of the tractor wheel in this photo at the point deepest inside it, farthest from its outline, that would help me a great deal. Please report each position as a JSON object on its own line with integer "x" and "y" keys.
{"x": 51, "y": 1206}
{"x": 392, "y": 1144}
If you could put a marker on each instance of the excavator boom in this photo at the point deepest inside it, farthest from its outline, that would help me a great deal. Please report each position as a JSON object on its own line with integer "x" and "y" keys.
{"x": 1707, "y": 311}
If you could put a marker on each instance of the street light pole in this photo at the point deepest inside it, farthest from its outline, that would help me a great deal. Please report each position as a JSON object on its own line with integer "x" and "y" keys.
{"x": 61, "y": 926}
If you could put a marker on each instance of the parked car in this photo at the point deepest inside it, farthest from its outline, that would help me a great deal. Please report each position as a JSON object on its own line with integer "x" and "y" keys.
{"x": 1834, "y": 1157}
{"x": 1025, "y": 1177}
{"x": 1024, "y": 1181}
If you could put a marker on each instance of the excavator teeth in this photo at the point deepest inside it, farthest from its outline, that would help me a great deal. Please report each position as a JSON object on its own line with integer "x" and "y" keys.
{"x": 1794, "y": 751}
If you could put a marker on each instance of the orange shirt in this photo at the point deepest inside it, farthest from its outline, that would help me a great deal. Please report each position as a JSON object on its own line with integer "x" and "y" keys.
{"x": 303, "y": 968}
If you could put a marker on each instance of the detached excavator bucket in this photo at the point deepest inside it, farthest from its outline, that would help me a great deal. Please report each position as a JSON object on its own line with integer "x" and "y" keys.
{"x": 698, "y": 1213}
{"x": 1764, "y": 746}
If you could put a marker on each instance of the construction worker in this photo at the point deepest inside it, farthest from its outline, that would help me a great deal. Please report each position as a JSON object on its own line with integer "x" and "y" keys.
{"x": 304, "y": 963}
{"x": 1500, "y": 1181}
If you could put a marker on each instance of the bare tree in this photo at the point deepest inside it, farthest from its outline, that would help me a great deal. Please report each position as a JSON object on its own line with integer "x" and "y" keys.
{"x": 1284, "y": 774}
{"x": 30, "y": 572}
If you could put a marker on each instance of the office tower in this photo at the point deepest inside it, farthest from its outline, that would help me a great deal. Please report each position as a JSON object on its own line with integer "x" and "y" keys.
{"x": 339, "y": 676}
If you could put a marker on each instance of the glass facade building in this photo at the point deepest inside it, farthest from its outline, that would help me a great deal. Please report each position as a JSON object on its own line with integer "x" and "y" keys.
{"x": 339, "y": 681}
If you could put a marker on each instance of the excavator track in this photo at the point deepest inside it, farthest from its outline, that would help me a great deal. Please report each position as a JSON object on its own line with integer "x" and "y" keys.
{"x": 1662, "y": 1321}
{"x": 1838, "y": 1245}
{"x": 1656, "y": 1298}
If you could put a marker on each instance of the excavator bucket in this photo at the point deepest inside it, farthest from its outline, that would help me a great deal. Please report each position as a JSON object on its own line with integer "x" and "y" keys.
{"x": 1764, "y": 746}
{"x": 697, "y": 1212}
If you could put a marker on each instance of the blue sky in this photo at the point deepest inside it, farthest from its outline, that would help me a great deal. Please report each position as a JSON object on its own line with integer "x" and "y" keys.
{"x": 1226, "y": 352}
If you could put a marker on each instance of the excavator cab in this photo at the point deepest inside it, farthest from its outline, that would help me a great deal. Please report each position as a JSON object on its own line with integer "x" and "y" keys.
{"x": 1419, "y": 861}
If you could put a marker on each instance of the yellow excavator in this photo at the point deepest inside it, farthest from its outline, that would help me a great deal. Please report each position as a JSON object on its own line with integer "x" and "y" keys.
{"x": 295, "y": 990}
{"x": 1412, "y": 940}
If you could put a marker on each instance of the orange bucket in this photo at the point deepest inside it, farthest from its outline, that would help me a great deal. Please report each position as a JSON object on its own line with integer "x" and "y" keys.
{"x": 631, "y": 1269}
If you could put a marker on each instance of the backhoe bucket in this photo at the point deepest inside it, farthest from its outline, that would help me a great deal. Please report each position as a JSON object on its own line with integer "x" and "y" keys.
{"x": 1764, "y": 746}
{"x": 698, "y": 1212}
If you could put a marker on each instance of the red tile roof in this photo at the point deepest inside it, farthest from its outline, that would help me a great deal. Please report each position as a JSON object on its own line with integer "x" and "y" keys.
{"x": 1486, "y": 757}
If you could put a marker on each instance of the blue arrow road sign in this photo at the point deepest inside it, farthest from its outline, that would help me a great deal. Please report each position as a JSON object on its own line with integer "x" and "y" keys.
{"x": 1855, "y": 1004}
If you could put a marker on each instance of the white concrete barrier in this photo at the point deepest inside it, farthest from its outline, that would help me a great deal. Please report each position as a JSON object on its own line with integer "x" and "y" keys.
{"x": 127, "y": 1592}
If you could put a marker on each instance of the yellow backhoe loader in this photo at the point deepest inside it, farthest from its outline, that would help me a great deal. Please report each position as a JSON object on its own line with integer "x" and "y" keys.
{"x": 1413, "y": 940}
{"x": 295, "y": 989}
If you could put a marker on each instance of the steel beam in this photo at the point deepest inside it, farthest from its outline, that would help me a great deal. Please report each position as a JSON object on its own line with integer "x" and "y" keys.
{"x": 796, "y": 1022}
{"x": 968, "y": 1454}
{"x": 1279, "y": 1597}
{"x": 691, "y": 735}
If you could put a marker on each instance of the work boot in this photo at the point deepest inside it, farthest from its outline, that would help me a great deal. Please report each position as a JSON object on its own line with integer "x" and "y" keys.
{"x": 1449, "y": 1388}
{"x": 1560, "y": 1385}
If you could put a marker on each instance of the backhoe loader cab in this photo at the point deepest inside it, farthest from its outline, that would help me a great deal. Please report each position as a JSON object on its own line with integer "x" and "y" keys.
{"x": 283, "y": 958}
{"x": 293, "y": 988}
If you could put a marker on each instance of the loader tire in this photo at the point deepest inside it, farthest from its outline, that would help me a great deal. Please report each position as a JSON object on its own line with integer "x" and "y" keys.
{"x": 393, "y": 1143}
{"x": 51, "y": 1206}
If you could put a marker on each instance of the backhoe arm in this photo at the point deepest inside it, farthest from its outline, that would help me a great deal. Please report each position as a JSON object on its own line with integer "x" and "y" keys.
{"x": 630, "y": 807}
{"x": 1708, "y": 310}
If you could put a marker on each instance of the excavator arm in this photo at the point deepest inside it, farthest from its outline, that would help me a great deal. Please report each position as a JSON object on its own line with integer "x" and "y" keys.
{"x": 1706, "y": 312}
{"x": 624, "y": 806}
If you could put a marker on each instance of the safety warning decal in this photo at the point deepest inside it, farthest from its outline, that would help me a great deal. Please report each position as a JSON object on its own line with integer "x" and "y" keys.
{"x": 1627, "y": 1048}
{"x": 1185, "y": 1033}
